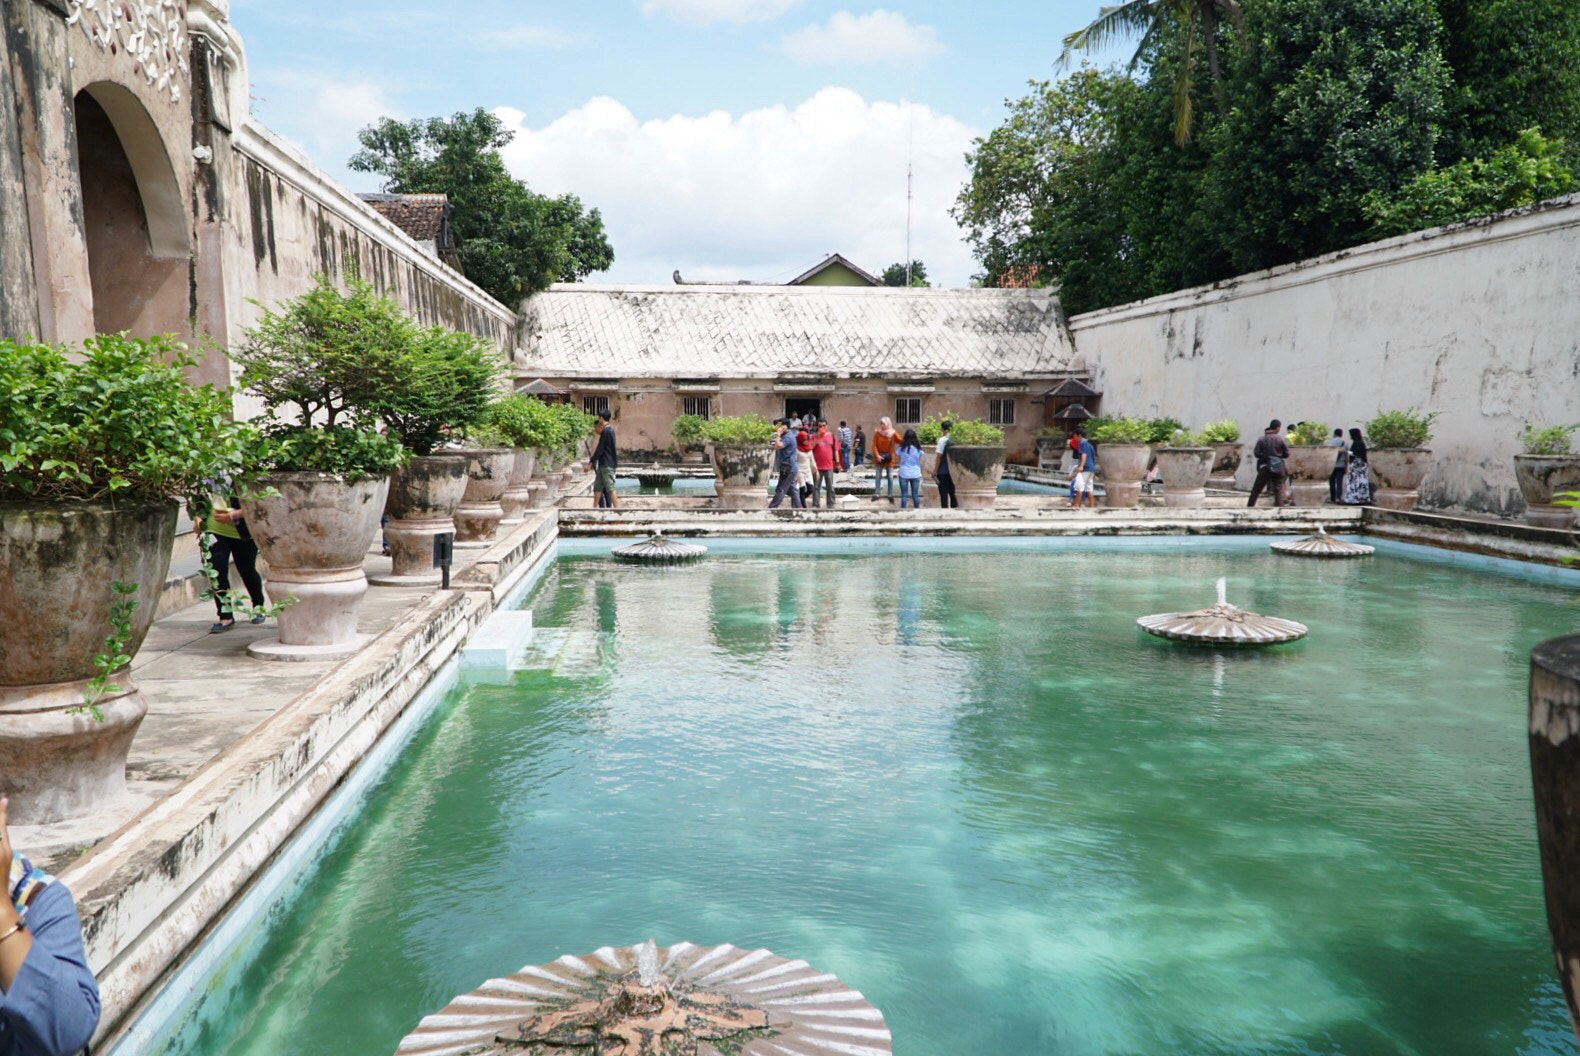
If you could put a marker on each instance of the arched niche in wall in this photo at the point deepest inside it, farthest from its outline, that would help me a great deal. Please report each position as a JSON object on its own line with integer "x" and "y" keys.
{"x": 134, "y": 216}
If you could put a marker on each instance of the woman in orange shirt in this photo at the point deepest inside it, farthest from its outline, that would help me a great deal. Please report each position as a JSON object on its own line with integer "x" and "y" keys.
{"x": 884, "y": 443}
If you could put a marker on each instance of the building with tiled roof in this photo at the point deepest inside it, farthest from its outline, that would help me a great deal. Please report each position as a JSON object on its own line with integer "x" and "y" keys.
{"x": 650, "y": 353}
{"x": 425, "y": 217}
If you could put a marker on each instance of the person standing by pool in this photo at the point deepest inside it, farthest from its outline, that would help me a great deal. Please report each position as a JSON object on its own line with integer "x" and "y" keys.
{"x": 941, "y": 472}
{"x": 858, "y": 446}
{"x": 1272, "y": 459}
{"x": 909, "y": 456}
{"x": 1357, "y": 475}
{"x": 49, "y": 1002}
{"x": 605, "y": 459}
{"x": 1083, "y": 474}
{"x": 845, "y": 439}
{"x": 229, "y": 540}
{"x": 806, "y": 474}
{"x": 884, "y": 441}
{"x": 785, "y": 462}
{"x": 1336, "y": 478}
{"x": 825, "y": 462}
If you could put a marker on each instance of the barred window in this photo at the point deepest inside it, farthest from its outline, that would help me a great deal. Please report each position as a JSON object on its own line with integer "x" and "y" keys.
{"x": 699, "y": 405}
{"x": 1001, "y": 412}
{"x": 907, "y": 410}
{"x": 595, "y": 404}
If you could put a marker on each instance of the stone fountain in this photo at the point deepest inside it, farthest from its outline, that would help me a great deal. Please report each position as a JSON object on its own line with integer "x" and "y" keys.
{"x": 1222, "y": 624}
{"x": 659, "y": 547}
{"x": 1322, "y": 545}
{"x": 657, "y": 1001}
{"x": 655, "y": 476}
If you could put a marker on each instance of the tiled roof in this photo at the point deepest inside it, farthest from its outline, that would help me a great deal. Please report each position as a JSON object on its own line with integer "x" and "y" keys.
{"x": 589, "y": 330}
{"x": 419, "y": 215}
{"x": 828, "y": 262}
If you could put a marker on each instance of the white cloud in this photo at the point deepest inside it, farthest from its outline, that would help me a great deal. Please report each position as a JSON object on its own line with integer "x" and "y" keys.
{"x": 524, "y": 38}
{"x": 881, "y": 36}
{"x": 706, "y": 12}
{"x": 322, "y": 115}
{"x": 761, "y": 195}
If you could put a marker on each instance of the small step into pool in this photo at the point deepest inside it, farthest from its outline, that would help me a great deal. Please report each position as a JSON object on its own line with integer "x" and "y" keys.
{"x": 959, "y": 777}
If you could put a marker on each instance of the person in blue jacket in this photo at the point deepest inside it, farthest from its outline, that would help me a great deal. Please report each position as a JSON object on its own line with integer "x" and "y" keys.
{"x": 49, "y": 1002}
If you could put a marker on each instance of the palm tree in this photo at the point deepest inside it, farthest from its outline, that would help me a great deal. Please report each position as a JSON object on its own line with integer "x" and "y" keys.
{"x": 1195, "y": 21}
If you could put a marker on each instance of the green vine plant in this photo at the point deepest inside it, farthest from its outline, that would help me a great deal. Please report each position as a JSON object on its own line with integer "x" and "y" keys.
{"x": 114, "y": 656}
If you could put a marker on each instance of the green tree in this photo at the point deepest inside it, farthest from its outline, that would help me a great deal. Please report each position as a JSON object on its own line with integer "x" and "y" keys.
{"x": 1188, "y": 26}
{"x": 513, "y": 242}
{"x": 894, "y": 274}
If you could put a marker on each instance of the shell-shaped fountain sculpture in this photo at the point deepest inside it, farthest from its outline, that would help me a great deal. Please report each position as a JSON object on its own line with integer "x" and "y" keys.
{"x": 1222, "y": 624}
{"x": 1322, "y": 545}
{"x": 654, "y": 1001}
{"x": 655, "y": 476}
{"x": 659, "y": 547}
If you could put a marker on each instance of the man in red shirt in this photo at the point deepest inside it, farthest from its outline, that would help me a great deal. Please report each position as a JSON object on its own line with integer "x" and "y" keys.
{"x": 825, "y": 460}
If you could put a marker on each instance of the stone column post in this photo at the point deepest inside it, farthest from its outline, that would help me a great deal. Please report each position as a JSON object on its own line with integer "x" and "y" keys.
{"x": 18, "y": 288}
{"x": 1555, "y": 776}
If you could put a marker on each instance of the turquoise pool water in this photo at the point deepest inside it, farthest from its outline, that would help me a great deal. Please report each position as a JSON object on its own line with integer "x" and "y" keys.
{"x": 968, "y": 784}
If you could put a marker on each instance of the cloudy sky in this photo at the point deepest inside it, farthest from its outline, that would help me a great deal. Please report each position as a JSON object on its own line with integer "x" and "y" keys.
{"x": 729, "y": 139}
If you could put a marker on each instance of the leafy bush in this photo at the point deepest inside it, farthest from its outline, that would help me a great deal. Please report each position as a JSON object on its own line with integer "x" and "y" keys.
{"x": 571, "y": 427}
{"x": 689, "y": 429}
{"x": 1225, "y": 432}
{"x": 120, "y": 420}
{"x": 967, "y": 432}
{"x": 1310, "y": 434}
{"x": 522, "y": 421}
{"x": 1120, "y": 431}
{"x": 284, "y": 447}
{"x": 1401, "y": 429}
{"x": 447, "y": 380}
{"x": 1529, "y": 170}
{"x": 1553, "y": 440}
{"x": 1186, "y": 438}
{"x": 744, "y": 429}
{"x": 1159, "y": 430}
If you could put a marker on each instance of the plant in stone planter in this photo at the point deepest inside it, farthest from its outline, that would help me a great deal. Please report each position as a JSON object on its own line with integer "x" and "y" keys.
{"x": 325, "y": 366}
{"x": 1398, "y": 455}
{"x": 96, "y": 446}
{"x": 574, "y": 427}
{"x": 1311, "y": 461}
{"x": 976, "y": 457}
{"x": 1184, "y": 462}
{"x": 1160, "y": 430}
{"x": 742, "y": 459}
{"x": 689, "y": 432}
{"x": 527, "y": 425}
{"x": 1123, "y": 453}
{"x": 1545, "y": 469}
{"x": 1224, "y": 439}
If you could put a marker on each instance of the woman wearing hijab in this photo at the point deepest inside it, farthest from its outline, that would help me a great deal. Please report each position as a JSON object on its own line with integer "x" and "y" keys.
{"x": 884, "y": 441}
{"x": 1357, "y": 479}
{"x": 49, "y": 1003}
{"x": 909, "y": 455}
{"x": 806, "y": 472}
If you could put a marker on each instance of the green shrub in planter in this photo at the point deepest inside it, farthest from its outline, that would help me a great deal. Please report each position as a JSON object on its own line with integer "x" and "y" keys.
{"x": 571, "y": 427}
{"x": 689, "y": 430}
{"x": 445, "y": 381}
{"x": 356, "y": 454}
{"x": 967, "y": 432}
{"x": 1119, "y": 431}
{"x": 1551, "y": 440}
{"x": 1186, "y": 438}
{"x": 736, "y": 430}
{"x": 1404, "y": 429}
{"x": 1226, "y": 432}
{"x": 522, "y": 421}
{"x": 1159, "y": 430}
{"x": 1310, "y": 434}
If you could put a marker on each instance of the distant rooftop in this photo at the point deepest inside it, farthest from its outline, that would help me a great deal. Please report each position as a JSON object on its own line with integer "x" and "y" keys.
{"x": 586, "y": 330}
{"x": 425, "y": 217}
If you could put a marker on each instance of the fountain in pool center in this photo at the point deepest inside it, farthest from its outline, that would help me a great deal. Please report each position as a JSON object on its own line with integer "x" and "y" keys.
{"x": 1222, "y": 624}
{"x": 1322, "y": 545}
{"x": 647, "y": 1001}
{"x": 655, "y": 476}
{"x": 659, "y": 547}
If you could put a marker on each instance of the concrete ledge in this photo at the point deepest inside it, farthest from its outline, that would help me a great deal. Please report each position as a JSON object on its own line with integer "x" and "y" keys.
{"x": 1508, "y": 539}
{"x": 499, "y": 568}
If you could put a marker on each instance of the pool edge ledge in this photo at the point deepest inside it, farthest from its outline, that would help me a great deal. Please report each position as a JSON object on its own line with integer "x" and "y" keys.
{"x": 149, "y": 892}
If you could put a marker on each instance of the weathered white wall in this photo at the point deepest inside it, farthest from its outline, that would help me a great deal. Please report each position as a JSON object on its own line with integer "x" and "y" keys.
{"x": 1480, "y": 321}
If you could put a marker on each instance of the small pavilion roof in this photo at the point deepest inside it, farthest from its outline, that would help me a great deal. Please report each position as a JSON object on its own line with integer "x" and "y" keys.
{"x": 1072, "y": 388}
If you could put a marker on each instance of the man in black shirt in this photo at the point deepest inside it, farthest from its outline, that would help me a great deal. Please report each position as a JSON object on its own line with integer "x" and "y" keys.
{"x": 1272, "y": 464}
{"x": 604, "y": 461}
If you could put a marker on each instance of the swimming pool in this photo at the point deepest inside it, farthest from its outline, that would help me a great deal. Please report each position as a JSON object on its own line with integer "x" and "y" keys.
{"x": 960, "y": 778}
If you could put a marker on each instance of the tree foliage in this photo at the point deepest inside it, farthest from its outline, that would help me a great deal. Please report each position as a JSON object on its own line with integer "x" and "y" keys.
{"x": 894, "y": 274}
{"x": 513, "y": 242}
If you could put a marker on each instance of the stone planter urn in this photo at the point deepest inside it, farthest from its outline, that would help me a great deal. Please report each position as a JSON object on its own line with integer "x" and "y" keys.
{"x": 518, "y": 493}
{"x": 1185, "y": 471}
{"x": 314, "y": 533}
{"x": 1226, "y": 460}
{"x": 743, "y": 472}
{"x": 1122, "y": 467}
{"x": 1398, "y": 472}
{"x": 423, "y": 496}
{"x": 977, "y": 471}
{"x": 1541, "y": 477}
{"x": 546, "y": 484}
{"x": 1554, "y": 728}
{"x": 1310, "y": 465}
{"x": 477, "y": 517}
{"x": 1049, "y": 450}
{"x": 57, "y": 561}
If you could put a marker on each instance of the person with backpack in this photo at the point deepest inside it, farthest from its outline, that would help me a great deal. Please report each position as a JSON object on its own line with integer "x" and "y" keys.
{"x": 1272, "y": 464}
{"x": 941, "y": 471}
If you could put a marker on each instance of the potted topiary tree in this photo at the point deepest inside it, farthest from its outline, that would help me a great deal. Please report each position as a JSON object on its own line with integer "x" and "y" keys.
{"x": 1123, "y": 453}
{"x": 1545, "y": 470}
{"x": 1227, "y": 452}
{"x": 1311, "y": 462}
{"x": 325, "y": 366}
{"x": 528, "y": 426}
{"x": 451, "y": 380}
{"x": 1398, "y": 455}
{"x": 572, "y": 429}
{"x": 690, "y": 432}
{"x": 95, "y": 446}
{"x": 976, "y": 458}
{"x": 1184, "y": 463}
{"x": 743, "y": 460}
